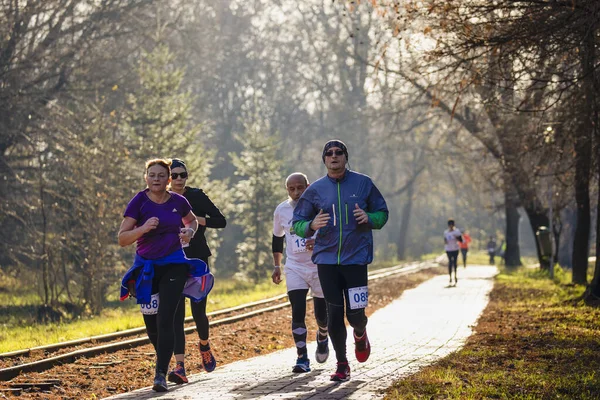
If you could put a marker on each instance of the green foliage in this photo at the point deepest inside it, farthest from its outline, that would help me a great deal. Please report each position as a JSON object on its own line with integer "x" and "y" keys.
{"x": 257, "y": 195}
{"x": 159, "y": 123}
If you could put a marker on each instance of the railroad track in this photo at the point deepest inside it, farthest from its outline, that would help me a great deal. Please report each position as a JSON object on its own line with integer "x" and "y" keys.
{"x": 227, "y": 316}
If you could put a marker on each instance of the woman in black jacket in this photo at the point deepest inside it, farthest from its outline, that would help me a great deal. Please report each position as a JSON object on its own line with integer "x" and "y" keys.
{"x": 208, "y": 216}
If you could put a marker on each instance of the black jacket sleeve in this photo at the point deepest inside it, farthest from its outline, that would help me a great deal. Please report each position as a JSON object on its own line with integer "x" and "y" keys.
{"x": 202, "y": 207}
{"x": 206, "y": 208}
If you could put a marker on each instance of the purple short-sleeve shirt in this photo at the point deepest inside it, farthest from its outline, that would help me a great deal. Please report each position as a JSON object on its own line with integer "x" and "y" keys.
{"x": 163, "y": 240}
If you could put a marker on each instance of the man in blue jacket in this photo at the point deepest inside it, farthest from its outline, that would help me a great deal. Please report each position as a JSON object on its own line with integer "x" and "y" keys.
{"x": 344, "y": 207}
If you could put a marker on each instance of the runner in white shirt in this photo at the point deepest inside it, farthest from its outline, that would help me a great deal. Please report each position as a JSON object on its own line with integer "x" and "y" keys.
{"x": 300, "y": 273}
{"x": 451, "y": 238}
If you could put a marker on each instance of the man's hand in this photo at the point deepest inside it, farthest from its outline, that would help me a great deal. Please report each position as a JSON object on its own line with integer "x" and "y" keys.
{"x": 276, "y": 275}
{"x": 310, "y": 244}
{"x": 320, "y": 221}
{"x": 360, "y": 215}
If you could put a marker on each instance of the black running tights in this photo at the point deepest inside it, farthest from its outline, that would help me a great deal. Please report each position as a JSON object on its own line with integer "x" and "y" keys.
{"x": 168, "y": 282}
{"x": 335, "y": 281}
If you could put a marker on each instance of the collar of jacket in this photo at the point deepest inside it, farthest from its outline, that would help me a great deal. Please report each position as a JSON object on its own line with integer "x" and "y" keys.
{"x": 342, "y": 179}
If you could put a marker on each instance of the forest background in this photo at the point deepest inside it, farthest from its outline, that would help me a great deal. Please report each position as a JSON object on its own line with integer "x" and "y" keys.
{"x": 485, "y": 113}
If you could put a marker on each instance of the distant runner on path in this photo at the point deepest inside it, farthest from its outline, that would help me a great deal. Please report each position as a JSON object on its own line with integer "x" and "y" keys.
{"x": 452, "y": 237}
{"x": 491, "y": 249}
{"x": 464, "y": 246}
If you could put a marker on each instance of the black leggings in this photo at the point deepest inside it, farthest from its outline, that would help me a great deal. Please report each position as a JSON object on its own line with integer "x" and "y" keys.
{"x": 464, "y": 256}
{"x": 200, "y": 318}
{"x": 335, "y": 281}
{"x": 298, "y": 301}
{"x": 452, "y": 259}
{"x": 168, "y": 282}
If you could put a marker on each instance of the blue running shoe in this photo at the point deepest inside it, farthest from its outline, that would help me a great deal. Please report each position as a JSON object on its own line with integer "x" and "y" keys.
{"x": 302, "y": 365}
{"x": 208, "y": 360}
{"x": 160, "y": 383}
{"x": 322, "y": 352}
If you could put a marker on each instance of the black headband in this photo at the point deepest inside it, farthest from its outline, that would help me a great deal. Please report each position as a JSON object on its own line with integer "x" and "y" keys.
{"x": 335, "y": 143}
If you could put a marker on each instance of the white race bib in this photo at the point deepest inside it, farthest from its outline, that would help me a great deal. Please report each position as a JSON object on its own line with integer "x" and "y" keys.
{"x": 298, "y": 244}
{"x": 152, "y": 307}
{"x": 358, "y": 297}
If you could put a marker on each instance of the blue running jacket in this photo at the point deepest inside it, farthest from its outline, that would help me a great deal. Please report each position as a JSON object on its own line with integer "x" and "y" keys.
{"x": 343, "y": 241}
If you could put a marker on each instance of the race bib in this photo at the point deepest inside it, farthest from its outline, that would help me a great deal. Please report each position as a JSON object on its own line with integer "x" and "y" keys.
{"x": 152, "y": 307}
{"x": 298, "y": 244}
{"x": 358, "y": 297}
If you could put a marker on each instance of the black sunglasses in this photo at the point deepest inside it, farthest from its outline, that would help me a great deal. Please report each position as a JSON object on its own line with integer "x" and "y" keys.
{"x": 183, "y": 175}
{"x": 337, "y": 153}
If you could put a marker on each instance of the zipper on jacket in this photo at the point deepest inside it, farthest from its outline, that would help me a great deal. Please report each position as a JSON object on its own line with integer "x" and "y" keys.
{"x": 341, "y": 225}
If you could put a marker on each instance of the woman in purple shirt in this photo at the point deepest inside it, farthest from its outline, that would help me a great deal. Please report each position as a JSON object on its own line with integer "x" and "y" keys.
{"x": 153, "y": 219}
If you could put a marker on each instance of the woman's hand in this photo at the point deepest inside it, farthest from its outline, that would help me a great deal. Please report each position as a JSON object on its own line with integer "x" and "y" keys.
{"x": 131, "y": 287}
{"x": 150, "y": 224}
{"x": 186, "y": 234}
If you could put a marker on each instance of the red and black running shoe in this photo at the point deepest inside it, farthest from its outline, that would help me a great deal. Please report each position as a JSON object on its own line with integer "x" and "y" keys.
{"x": 362, "y": 347}
{"x": 177, "y": 375}
{"x": 342, "y": 373}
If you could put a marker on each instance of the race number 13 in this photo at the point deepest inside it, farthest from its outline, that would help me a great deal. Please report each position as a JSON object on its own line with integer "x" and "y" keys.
{"x": 358, "y": 297}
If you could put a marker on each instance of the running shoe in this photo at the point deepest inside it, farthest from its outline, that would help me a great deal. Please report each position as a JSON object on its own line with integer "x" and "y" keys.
{"x": 362, "y": 347}
{"x": 302, "y": 365}
{"x": 160, "y": 383}
{"x": 208, "y": 360}
{"x": 177, "y": 375}
{"x": 342, "y": 373}
{"x": 322, "y": 352}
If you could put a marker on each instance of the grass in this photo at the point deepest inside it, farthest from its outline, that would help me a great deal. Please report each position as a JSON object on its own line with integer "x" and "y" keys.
{"x": 20, "y": 333}
{"x": 18, "y": 329}
{"x": 534, "y": 341}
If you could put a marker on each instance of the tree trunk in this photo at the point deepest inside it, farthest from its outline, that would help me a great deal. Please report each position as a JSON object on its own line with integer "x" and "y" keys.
{"x": 565, "y": 247}
{"x": 44, "y": 255}
{"x": 404, "y": 222}
{"x": 583, "y": 154}
{"x": 512, "y": 256}
{"x": 595, "y": 286}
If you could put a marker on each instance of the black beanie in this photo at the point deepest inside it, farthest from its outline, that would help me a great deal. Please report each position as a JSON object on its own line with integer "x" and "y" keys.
{"x": 335, "y": 143}
{"x": 176, "y": 162}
